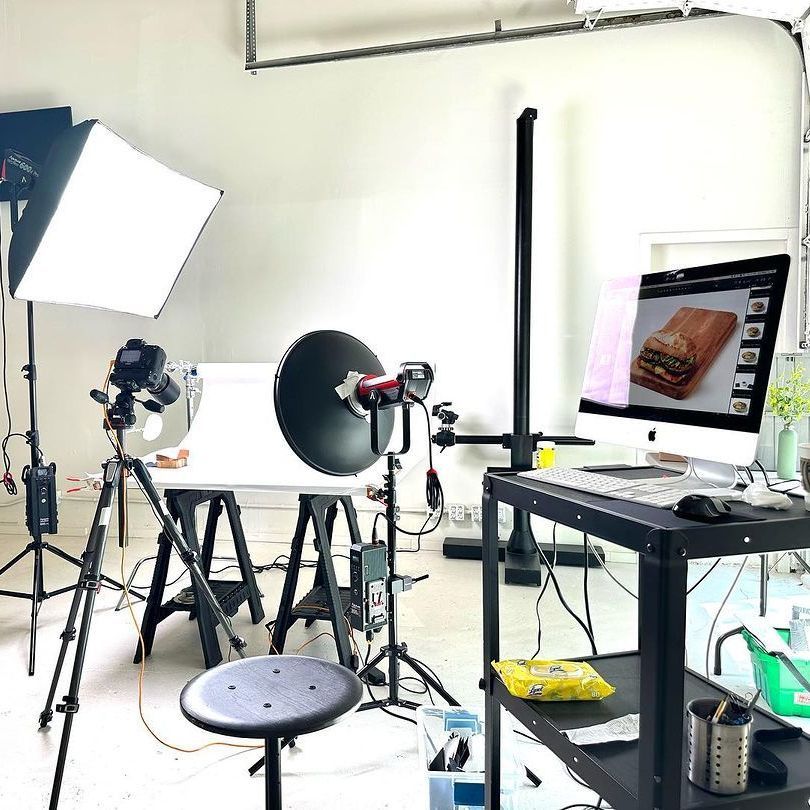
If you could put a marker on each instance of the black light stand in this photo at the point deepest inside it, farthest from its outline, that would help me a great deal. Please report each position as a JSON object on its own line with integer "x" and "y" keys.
{"x": 120, "y": 417}
{"x": 36, "y": 473}
{"x": 395, "y": 650}
{"x": 522, "y": 560}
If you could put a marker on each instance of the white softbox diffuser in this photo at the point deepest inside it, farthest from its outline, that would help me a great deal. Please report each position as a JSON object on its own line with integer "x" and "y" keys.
{"x": 787, "y": 10}
{"x": 106, "y": 226}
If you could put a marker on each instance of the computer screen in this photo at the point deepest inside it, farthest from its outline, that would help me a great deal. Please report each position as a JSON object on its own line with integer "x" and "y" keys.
{"x": 31, "y": 132}
{"x": 687, "y": 348}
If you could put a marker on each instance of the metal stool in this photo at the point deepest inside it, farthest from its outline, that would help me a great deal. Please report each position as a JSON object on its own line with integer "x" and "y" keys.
{"x": 271, "y": 698}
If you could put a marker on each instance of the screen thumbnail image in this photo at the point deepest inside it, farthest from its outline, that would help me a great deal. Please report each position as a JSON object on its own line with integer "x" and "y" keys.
{"x": 744, "y": 382}
{"x": 757, "y": 306}
{"x": 740, "y": 406}
{"x": 748, "y": 357}
{"x": 753, "y": 331}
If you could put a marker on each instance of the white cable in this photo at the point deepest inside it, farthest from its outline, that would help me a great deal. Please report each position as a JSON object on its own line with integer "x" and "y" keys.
{"x": 719, "y": 612}
{"x": 608, "y": 571}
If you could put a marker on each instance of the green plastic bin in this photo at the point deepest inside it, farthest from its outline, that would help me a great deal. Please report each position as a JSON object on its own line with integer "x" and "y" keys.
{"x": 785, "y": 695}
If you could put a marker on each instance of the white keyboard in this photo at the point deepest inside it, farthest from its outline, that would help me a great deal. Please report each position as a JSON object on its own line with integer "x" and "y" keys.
{"x": 638, "y": 491}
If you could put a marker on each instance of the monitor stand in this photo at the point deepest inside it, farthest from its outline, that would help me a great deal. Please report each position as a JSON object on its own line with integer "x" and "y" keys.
{"x": 697, "y": 473}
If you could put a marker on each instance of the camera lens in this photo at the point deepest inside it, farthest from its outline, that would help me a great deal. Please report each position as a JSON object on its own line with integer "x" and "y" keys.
{"x": 166, "y": 391}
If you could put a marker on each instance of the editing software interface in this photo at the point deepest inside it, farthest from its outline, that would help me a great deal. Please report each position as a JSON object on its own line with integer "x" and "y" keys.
{"x": 698, "y": 340}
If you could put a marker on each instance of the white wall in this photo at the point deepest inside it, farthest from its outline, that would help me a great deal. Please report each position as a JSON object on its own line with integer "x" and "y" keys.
{"x": 377, "y": 196}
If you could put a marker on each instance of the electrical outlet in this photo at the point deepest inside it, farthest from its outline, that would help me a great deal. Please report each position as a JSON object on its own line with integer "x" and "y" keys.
{"x": 456, "y": 512}
{"x": 475, "y": 513}
{"x": 501, "y": 514}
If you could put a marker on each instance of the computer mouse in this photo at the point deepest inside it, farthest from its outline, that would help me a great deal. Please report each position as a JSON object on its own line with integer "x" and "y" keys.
{"x": 701, "y": 507}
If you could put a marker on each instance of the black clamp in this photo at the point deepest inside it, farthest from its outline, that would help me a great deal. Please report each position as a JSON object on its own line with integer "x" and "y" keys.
{"x": 188, "y": 556}
{"x": 69, "y": 706}
{"x": 90, "y": 583}
{"x": 68, "y": 635}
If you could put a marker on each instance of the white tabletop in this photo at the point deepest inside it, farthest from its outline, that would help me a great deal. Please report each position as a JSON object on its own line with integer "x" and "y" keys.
{"x": 235, "y": 442}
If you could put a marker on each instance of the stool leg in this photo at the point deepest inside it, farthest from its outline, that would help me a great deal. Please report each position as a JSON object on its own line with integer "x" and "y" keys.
{"x": 272, "y": 774}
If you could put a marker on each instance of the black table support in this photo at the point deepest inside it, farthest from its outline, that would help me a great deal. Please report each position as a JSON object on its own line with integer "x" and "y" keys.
{"x": 326, "y": 600}
{"x": 182, "y": 506}
{"x": 662, "y": 622}
{"x": 652, "y": 682}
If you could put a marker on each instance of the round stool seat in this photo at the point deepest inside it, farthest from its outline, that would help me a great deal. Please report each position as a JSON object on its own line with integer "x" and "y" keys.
{"x": 273, "y": 696}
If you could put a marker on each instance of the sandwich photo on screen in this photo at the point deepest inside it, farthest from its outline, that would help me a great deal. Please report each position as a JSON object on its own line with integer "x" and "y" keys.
{"x": 669, "y": 355}
{"x": 697, "y": 340}
{"x": 673, "y": 360}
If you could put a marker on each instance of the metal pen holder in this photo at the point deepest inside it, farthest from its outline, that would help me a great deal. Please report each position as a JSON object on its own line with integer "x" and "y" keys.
{"x": 718, "y": 754}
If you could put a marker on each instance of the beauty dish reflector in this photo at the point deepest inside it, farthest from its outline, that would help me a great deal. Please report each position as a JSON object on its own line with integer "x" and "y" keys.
{"x": 317, "y": 423}
{"x": 106, "y": 226}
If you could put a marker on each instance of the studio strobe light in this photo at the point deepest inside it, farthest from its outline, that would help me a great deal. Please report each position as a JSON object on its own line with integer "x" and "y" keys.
{"x": 335, "y": 405}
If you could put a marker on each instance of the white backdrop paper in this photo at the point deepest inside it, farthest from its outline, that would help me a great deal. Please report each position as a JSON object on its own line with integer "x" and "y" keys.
{"x": 235, "y": 442}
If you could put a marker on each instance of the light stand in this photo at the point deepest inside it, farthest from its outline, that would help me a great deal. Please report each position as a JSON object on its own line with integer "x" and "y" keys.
{"x": 36, "y": 473}
{"x": 522, "y": 560}
{"x": 395, "y": 650}
{"x": 120, "y": 415}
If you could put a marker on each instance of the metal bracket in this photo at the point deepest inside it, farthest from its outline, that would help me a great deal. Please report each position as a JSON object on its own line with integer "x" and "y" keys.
{"x": 68, "y": 635}
{"x": 90, "y": 584}
{"x": 70, "y": 705}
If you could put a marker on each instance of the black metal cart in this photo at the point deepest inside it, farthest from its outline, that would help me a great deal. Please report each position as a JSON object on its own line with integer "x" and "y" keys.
{"x": 650, "y": 773}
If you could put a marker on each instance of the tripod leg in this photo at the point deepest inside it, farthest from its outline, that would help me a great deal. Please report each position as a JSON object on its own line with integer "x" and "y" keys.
{"x": 89, "y": 585}
{"x": 14, "y": 560}
{"x": 63, "y": 555}
{"x": 428, "y": 678}
{"x": 186, "y": 555}
{"x": 69, "y": 633}
{"x": 371, "y": 664}
{"x": 36, "y": 601}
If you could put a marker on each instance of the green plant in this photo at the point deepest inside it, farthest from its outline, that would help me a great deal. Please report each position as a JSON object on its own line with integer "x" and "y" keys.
{"x": 789, "y": 397}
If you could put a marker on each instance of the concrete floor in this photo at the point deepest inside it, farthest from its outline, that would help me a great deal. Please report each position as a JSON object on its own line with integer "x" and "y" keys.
{"x": 367, "y": 763}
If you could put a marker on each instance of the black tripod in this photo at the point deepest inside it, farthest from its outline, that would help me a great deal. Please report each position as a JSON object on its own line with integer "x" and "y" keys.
{"x": 395, "y": 651}
{"x": 20, "y": 177}
{"x": 120, "y": 416}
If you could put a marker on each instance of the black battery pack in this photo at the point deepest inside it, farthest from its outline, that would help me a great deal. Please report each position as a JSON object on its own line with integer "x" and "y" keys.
{"x": 40, "y": 499}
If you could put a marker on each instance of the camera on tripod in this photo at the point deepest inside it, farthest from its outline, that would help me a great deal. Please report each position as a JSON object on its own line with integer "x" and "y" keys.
{"x": 138, "y": 366}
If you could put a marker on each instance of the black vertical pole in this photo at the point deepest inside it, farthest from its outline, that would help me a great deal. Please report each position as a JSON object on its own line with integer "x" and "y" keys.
{"x": 30, "y": 373}
{"x": 522, "y": 559}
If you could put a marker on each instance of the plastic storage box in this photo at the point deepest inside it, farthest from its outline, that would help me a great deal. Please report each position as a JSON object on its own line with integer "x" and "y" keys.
{"x": 456, "y": 790}
{"x": 785, "y": 695}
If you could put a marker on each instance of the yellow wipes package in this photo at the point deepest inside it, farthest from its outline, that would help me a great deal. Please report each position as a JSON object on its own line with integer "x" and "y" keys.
{"x": 553, "y": 680}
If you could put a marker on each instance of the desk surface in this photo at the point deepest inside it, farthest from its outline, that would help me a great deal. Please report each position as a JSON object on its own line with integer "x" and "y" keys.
{"x": 748, "y": 530}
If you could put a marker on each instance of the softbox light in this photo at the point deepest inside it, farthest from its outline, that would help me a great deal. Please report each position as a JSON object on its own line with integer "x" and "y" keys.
{"x": 790, "y": 11}
{"x": 106, "y": 226}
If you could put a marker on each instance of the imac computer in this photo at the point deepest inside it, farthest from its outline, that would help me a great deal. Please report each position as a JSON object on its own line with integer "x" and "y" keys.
{"x": 680, "y": 361}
